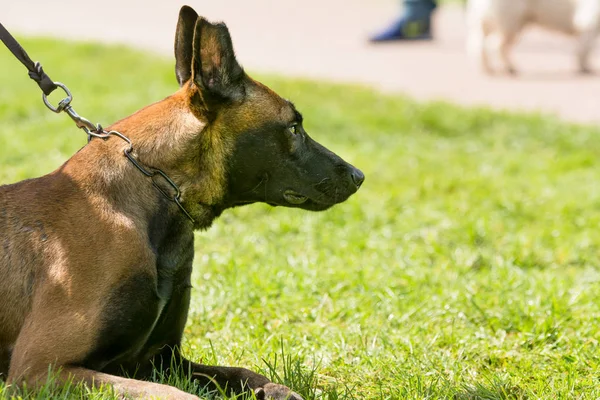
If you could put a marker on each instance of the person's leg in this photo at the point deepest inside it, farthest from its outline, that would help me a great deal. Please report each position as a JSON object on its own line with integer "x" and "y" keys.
{"x": 413, "y": 24}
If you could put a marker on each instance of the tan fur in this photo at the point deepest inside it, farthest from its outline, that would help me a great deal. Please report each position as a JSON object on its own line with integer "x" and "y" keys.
{"x": 494, "y": 26}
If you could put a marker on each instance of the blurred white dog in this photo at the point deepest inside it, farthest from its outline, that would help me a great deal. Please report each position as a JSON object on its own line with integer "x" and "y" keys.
{"x": 493, "y": 25}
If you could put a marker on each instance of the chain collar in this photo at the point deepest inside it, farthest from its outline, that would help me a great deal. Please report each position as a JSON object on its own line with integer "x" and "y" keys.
{"x": 96, "y": 131}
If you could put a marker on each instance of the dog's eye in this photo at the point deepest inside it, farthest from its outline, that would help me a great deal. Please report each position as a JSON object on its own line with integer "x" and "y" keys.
{"x": 292, "y": 129}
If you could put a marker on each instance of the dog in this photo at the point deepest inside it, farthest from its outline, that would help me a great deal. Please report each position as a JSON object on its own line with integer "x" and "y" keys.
{"x": 494, "y": 25}
{"x": 96, "y": 261}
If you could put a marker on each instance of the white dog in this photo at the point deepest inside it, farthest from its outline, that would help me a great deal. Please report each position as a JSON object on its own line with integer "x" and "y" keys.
{"x": 495, "y": 24}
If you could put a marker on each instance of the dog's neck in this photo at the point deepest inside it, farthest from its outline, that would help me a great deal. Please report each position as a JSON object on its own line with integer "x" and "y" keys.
{"x": 166, "y": 136}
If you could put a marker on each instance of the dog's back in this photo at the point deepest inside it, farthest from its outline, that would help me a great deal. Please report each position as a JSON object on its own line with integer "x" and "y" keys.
{"x": 512, "y": 15}
{"x": 496, "y": 24}
{"x": 555, "y": 15}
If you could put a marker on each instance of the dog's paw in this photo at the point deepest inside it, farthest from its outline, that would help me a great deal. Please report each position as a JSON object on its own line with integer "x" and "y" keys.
{"x": 273, "y": 391}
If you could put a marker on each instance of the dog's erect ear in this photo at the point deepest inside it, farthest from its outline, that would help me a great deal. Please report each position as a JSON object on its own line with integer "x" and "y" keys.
{"x": 184, "y": 44}
{"x": 215, "y": 69}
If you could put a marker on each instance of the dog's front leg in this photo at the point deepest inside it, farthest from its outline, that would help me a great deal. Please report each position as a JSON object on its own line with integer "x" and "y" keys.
{"x": 238, "y": 380}
{"x": 234, "y": 380}
{"x": 123, "y": 387}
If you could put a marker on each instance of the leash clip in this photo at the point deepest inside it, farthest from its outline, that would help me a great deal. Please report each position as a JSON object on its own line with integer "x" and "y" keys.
{"x": 65, "y": 105}
{"x": 83, "y": 123}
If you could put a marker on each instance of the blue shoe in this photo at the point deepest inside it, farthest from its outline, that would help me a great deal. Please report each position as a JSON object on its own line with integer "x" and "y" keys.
{"x": 404, "y": 30}
{"x": 414, "y": 24}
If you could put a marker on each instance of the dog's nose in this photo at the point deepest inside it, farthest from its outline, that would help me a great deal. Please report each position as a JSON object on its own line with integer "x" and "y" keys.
{"x": 357, "y": 177}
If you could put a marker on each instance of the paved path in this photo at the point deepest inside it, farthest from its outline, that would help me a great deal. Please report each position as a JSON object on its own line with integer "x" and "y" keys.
{"x": 326, "y": 39}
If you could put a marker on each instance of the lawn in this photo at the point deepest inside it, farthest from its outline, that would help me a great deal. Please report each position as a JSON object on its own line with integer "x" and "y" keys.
{"x": 466, "y": 267}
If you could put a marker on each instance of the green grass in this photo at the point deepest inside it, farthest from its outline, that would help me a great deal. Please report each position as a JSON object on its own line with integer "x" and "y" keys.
{"x": 467, "y": 266}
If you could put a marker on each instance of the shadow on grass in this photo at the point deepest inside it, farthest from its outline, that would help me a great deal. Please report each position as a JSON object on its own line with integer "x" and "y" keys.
{"x": 495, "y": 390}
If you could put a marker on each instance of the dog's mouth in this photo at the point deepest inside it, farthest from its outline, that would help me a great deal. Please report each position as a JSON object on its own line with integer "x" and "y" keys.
{"x": 294, "y": 197}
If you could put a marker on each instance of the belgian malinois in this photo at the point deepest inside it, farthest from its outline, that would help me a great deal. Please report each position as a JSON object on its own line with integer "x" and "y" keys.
{"x": 95, "y": 262}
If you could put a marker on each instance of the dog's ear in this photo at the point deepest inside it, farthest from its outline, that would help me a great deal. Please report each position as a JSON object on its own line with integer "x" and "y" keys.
{"x": 184, "y": 44}
{"x": 215, "y": 69}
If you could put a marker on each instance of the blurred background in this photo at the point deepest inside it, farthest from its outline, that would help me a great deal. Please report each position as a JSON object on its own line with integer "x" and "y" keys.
{"x": 328, "y": 39}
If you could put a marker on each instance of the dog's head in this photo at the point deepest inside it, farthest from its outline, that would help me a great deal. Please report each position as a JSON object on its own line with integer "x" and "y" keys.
{"x": 264, "y": 151}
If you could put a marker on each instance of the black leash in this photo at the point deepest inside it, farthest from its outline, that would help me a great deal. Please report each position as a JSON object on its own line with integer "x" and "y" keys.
{"x": 36, "y": 71}
{"x": 48, "y": 86}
